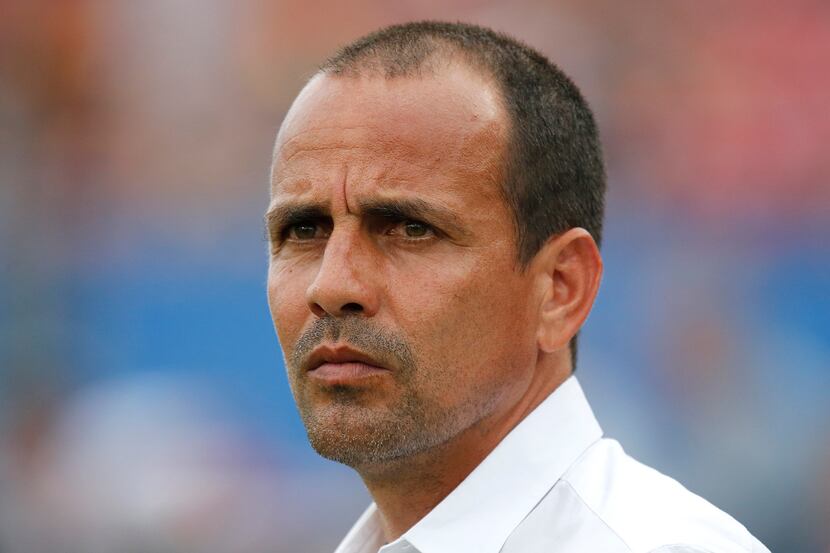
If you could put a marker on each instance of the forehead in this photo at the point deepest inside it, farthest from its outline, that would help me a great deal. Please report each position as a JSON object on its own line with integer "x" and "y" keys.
{"x": 448, "y": 124}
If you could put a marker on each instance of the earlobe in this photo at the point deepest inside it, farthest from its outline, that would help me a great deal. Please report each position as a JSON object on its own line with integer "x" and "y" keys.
{"x": 570, "y": 271}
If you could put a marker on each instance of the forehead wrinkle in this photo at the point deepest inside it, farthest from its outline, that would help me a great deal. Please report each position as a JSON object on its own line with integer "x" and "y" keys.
{"x": 294, "y": 177}
{"x": 338, "y": 135}
{"x": 343, "y": 184}
{"x": 291, "y": 186}
{"x": 389, "y": 154}
{"x": 312, "y": 149}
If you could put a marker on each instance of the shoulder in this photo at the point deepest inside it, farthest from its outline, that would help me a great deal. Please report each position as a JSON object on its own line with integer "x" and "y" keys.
{"x": 650, "y": 512}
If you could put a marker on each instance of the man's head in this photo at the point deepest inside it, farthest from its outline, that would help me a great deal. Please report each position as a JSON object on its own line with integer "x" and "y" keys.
{"x": 428, "y": 264}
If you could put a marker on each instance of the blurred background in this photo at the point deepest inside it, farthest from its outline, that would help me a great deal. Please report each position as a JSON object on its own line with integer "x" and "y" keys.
{"x": 143, "y": 405}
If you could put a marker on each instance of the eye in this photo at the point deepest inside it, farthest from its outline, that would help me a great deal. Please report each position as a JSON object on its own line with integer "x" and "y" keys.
{"x": 304, "y": 231}
{"x": 410, "y": 229}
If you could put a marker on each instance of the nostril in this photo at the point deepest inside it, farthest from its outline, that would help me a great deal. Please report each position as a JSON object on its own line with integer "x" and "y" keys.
{"x": 318, "y": 310}
{"x": 352, "y": 307}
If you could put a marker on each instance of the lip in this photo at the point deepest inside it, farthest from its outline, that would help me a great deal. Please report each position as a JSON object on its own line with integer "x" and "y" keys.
{"x": 342, "y": 365}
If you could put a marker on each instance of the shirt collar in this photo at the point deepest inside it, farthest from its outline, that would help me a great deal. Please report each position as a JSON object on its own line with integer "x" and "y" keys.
{"x": 479, "y": 515}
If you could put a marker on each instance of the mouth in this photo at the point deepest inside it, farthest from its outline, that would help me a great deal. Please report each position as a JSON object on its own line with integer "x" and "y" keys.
{"x": 343, "y": 366}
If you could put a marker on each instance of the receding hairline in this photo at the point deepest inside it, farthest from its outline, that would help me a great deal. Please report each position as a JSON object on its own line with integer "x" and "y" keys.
{"x": 433, "y": 54}
{"x": 439, "y": 65}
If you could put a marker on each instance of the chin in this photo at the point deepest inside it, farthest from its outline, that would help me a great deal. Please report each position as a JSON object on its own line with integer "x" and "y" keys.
{"x": 361, "y": 437}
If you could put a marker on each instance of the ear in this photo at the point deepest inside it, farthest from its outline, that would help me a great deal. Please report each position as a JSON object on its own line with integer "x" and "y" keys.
{"x": 570, "y": 269}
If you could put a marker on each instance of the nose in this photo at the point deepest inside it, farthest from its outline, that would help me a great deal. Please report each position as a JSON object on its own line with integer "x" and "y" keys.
{"x": 345, "y": 280}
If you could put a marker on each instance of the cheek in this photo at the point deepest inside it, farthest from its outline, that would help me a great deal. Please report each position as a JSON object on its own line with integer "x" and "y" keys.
{"x": 469, "y": 317}
{"x": 286, "y": 301}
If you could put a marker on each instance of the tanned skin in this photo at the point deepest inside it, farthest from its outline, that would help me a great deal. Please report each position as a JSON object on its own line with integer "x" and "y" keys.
{"x": 387, "y": 216}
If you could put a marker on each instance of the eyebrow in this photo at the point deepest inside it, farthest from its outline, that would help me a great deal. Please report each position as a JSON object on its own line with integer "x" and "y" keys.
{"x": 284, "y": 215}
{"x": 413, "y": 208}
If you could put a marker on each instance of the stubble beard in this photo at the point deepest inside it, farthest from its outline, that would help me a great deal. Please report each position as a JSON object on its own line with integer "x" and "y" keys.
{"x": 350, "y": 428}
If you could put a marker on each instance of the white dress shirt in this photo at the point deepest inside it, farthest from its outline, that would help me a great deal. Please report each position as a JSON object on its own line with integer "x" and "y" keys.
{"x": 555, "y": 485}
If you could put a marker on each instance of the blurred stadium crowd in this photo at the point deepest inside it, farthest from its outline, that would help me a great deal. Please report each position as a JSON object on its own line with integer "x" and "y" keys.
{"x": 142, "y": 400}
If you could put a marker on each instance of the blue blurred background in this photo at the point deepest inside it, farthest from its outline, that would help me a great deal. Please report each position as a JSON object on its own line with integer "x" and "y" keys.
{"x": 143, "y": 405}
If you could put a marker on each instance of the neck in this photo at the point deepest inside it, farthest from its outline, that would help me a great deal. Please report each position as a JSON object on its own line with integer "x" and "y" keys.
{"x": 406, "y": 490}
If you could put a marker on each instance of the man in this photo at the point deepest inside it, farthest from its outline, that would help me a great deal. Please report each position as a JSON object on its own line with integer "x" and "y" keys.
{"x": 436, "y": 209}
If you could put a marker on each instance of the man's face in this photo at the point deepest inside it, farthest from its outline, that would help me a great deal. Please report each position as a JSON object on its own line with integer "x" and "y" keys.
{"x": 393, "y": 280}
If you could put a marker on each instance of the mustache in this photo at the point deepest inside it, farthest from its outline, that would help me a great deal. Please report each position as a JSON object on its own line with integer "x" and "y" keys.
{"x": 386, "y": 346}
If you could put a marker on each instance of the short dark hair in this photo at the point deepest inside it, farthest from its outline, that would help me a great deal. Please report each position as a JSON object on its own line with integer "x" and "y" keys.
{"x": 554, "y": 178}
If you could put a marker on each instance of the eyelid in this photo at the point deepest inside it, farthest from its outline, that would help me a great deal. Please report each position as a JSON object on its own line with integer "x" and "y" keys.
{"x": 400, "y": 223}
{"x": 323, "y": 226}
